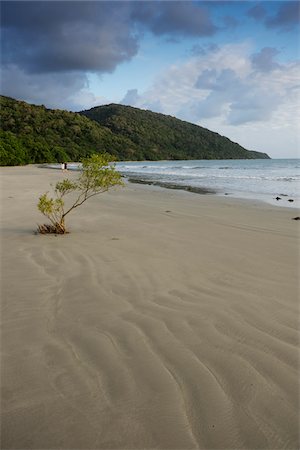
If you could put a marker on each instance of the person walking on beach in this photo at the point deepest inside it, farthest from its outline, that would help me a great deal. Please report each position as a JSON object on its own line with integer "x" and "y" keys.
{"x": 66, "y": 166}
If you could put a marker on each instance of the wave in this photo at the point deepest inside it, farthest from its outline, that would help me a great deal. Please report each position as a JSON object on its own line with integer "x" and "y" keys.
{"x": 268, "y": 178}
{"x": 203, "y": 175}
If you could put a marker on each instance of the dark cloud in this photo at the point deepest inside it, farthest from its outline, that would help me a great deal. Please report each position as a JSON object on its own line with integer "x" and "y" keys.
{"x": 286, "y": 18}
{"x": 230, "y": 22}
{"x": 179, "y": 18}
{"x": 66, "y": 36}
{"x": 54, "y": 44}
{"x": 258, "y": 12}
{"x": 87, "y": 35}
{"x": 264, "y": 60}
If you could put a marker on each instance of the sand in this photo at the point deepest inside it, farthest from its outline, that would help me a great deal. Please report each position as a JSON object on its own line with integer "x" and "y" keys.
{"x": 164, "y": 320}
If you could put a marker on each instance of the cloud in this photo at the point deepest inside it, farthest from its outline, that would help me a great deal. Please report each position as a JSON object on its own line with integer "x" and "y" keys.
{"x": 264, "y": 60}
{"x": 207, "y": 79}
{"x": 198, "y": 50}
{"x": 70, "y": 91}
{"x": 179, "y": 18}
{"x": 229, "y": 86}
{"x": 226, "y": 91}
{"x": 257, "y": 12}
{"x": 286, "y": 18}
{"x": 43, "y": 37}
{"x": 48, "y": 48}
{"x": 238, "y": 99}
{"x": 255, "y": 105}
{"x": 218, "y": 81}
{"x": 131, "y": 97}
{"x": 230, "y": 22}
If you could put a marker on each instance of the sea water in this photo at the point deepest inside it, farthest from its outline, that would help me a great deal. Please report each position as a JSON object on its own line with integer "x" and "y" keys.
{"x": 256, "y": 179}
{"x": 260, "y": 179}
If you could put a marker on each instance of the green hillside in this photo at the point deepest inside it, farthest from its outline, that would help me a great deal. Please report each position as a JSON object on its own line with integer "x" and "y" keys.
{"x": 158, "y": 136}
{"x": 35, "y": 134}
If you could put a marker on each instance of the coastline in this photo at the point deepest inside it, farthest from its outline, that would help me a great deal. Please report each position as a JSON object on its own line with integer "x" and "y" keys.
{"x": 264, "y": 198}
{"x": 168, "y": 317}
{"x": 276, "y": 198}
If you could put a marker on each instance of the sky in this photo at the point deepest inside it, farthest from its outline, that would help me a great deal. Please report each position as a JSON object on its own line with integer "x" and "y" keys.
{"x": 230, "y": 66}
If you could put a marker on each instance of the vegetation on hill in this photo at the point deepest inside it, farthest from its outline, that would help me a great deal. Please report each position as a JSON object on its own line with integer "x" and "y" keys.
{"x": 35, "y": 134}
{"x": 158, "y": 136}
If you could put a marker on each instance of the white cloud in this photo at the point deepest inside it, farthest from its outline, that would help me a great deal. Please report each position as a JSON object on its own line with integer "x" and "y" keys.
{"x": 131, "y": 97}
{"x": 249, "y": 98}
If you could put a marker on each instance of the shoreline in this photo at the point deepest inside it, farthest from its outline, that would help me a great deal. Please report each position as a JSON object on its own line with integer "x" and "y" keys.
{"x": 168, "y": 185}
{"x": 295, "y": 204}
{"x": 277, "y": 199}
{"x": 162, "y": 320}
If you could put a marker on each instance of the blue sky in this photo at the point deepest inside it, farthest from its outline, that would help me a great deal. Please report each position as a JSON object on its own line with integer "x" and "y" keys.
{"x": 231, "y": 66}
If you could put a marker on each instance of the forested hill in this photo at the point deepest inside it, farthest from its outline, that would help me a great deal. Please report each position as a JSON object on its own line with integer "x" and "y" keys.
{"x": 158, "y": 136}
{"x": 35, "y": 134}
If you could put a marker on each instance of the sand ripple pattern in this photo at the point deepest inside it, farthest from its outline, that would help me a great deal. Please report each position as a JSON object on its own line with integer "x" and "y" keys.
{"x": 150, "y": 336}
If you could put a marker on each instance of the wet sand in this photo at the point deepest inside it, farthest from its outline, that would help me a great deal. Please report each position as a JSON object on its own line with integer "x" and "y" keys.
{"x": 164, "y": 320}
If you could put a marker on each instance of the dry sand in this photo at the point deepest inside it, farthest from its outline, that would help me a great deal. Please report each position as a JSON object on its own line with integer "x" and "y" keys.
{"x": 164, "y": 320}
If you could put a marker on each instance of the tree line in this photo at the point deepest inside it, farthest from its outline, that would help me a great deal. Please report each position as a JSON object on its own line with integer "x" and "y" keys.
{"x": 33, "y": 134}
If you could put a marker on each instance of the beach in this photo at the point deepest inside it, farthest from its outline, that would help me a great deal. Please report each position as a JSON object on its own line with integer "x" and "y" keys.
{"x": 163, "y": 320}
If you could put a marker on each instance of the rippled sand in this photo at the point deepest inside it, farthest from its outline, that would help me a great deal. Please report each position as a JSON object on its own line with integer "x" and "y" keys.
{"x": 164, "y": 320}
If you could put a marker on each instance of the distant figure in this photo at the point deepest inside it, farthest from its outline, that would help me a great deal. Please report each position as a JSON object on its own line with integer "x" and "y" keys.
{"x": 65, "y": 167}
{"x": 278, "y": 198}
{"x": 62, "y": 166}
{"x": 290, "y": 200}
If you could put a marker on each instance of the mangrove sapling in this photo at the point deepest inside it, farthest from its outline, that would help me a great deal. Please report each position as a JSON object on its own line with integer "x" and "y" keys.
{"x": 98, "y": 175}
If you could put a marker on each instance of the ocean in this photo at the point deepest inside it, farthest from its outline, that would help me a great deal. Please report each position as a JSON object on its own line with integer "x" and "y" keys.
{"x": 259, "y": 179}
{"x": 256, "y": 179}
